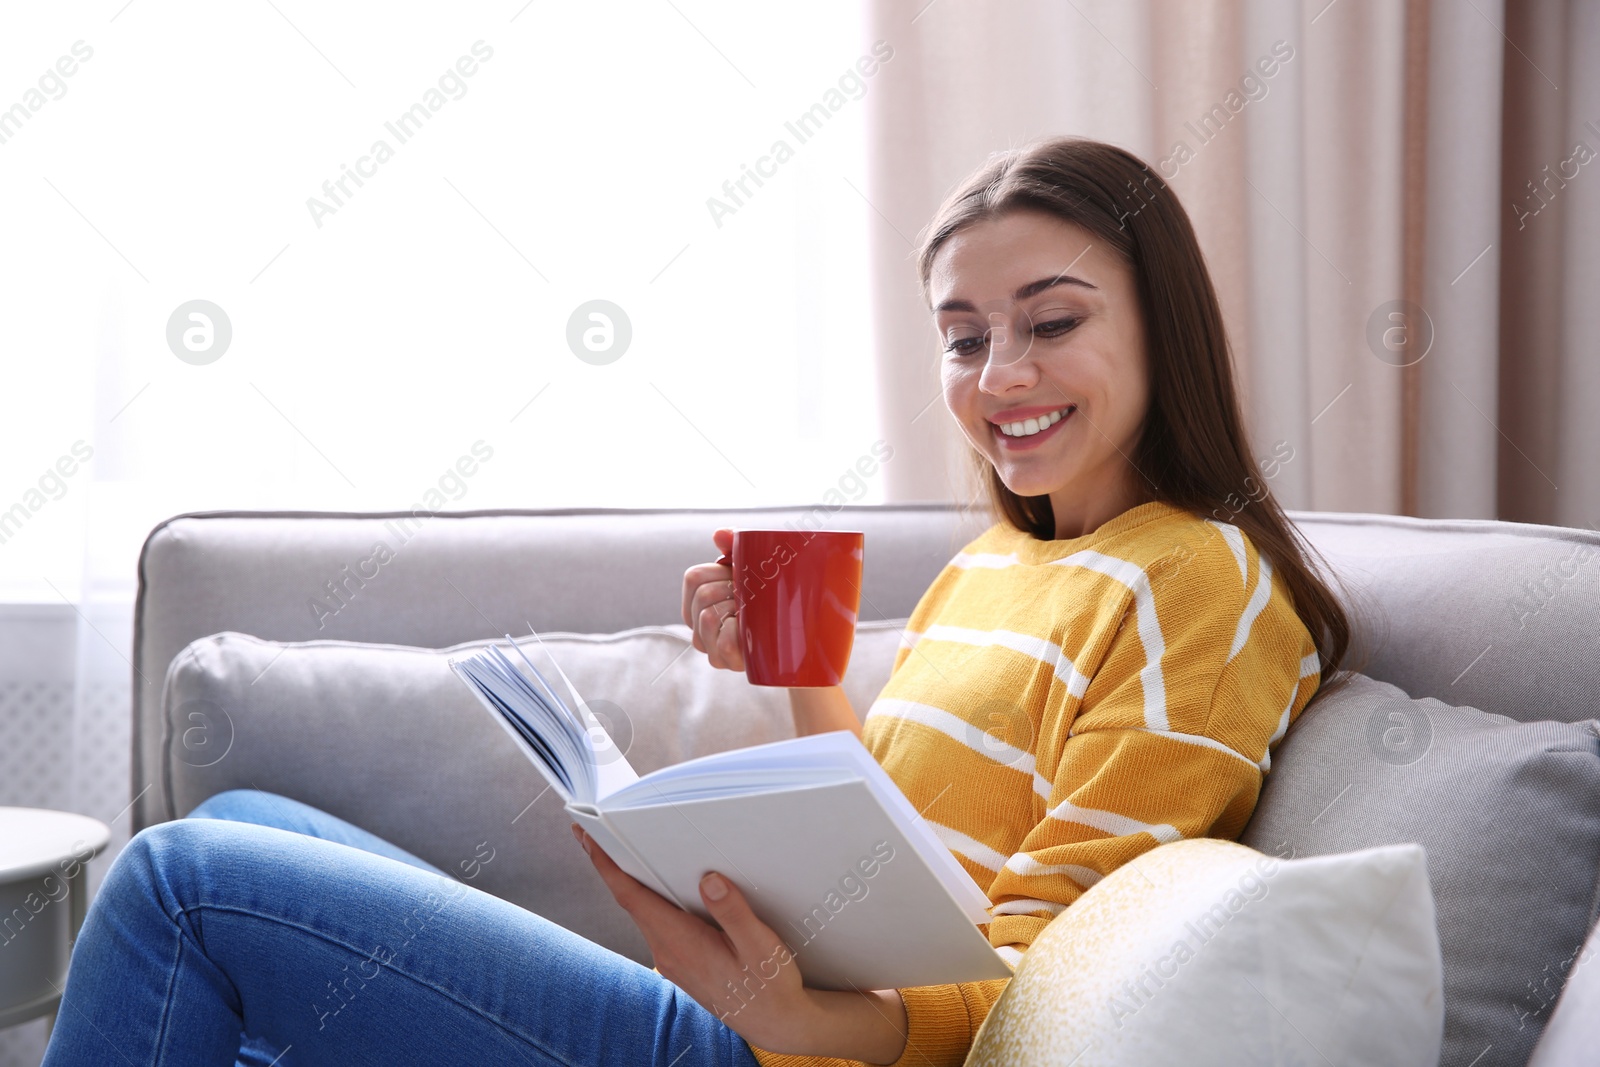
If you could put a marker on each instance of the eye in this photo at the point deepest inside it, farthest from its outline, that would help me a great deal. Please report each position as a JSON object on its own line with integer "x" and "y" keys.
{"x": 965, "y": 346}
{"x": 1056, "y": 327}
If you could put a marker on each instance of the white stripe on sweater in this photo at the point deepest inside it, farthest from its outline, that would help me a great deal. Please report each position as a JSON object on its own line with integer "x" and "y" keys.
{"x": 973, "y": 737}
{"x": 985, "y": 560}
{"x": 1027, "y": 907}
{"x": 970, "y": 847}
{"x": 1189, "y": 739}
{"x": 1206, "y": 742}
{"x": 1024, "y": 864}
{"x": 1134, "y": 577}
{"x": 1283, "y": 728}
{"x": 1036, "y": 647}
{"x": 1111, "y": 823}
{"x": 1258, "y": 600}
{"x": 1310, "y": 664}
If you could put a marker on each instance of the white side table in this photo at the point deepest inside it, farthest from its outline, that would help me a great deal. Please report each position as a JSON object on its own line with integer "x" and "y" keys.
{"x": 44, "y": 886}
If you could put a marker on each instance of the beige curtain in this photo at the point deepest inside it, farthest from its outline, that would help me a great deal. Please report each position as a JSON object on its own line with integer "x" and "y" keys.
{"x": 1410, "y": 293}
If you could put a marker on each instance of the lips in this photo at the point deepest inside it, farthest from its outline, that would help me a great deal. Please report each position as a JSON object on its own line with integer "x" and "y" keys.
{"x": 1031, "y": 426}
{"x": 1033, "y": 440}
{"x": 1023, "y": 414}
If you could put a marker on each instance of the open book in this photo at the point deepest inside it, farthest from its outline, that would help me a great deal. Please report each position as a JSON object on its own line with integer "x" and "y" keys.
{"x": 830, "y": 854}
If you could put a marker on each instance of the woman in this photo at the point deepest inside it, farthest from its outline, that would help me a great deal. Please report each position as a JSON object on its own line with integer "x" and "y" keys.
{"x": 1103, "y": 670}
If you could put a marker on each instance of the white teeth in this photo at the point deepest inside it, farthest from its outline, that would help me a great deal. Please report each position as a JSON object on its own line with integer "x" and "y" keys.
{"x": 1029, "y": 427}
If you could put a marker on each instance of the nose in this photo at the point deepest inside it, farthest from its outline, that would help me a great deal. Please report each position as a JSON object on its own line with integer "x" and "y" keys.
{"x": 1007, "y": 365}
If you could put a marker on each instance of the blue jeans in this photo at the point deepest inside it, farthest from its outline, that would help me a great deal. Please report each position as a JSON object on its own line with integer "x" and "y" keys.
{"x": 262, "y": 931}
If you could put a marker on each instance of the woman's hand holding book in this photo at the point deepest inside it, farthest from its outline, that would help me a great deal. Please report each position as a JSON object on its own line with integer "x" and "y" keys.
{"x": 741, "y": 971}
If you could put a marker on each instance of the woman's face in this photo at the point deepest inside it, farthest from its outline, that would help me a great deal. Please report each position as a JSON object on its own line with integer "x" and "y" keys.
{"x": 1044, "y": 364}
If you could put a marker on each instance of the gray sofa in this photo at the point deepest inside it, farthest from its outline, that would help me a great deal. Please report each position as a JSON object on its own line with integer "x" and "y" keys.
{"x": 298, "y": 652}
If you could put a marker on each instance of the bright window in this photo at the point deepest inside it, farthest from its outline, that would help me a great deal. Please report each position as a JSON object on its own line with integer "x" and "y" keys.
{"x": 508, "y": 166}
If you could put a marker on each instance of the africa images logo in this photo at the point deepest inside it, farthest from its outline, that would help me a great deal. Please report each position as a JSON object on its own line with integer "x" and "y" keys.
{"x": 1399, "y": 732}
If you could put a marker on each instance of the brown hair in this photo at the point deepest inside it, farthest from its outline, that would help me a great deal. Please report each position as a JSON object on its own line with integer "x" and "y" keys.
{"x": 1193, "y": 450}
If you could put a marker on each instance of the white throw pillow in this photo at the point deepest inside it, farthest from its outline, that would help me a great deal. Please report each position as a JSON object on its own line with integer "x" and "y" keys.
{"x": 1208, "y": 952}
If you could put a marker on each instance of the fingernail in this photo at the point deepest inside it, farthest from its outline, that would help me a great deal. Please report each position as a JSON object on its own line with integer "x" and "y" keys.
{"x": 714, "y": 887}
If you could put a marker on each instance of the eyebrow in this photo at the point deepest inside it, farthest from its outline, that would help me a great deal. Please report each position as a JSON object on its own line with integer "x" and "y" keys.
{"x": 1031, "y": 289}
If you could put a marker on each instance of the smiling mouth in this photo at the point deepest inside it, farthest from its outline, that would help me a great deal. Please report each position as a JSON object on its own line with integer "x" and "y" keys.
{"x": 1029, "y": 427}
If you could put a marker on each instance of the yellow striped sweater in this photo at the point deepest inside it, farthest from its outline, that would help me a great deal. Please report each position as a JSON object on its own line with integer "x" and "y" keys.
{"x": 1057, "y": 708}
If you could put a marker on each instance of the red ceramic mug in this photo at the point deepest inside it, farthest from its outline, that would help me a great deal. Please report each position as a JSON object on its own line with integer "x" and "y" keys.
{"x": 798, "y": 595}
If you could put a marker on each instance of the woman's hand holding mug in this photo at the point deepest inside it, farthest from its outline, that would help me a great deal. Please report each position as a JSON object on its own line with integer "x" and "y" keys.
{"x": 710, "y": 608}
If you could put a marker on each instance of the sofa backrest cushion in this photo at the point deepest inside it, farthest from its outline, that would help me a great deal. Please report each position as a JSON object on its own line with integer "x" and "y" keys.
{"x": 442, "y": 579}
{"x": 1503, "y": 616}
{"x": 1508, "y": 812}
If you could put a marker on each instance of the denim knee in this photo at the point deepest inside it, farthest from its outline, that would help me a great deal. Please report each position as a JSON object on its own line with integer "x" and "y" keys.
{"x": 237, "y": 805}
{"x": 162, "y": 863}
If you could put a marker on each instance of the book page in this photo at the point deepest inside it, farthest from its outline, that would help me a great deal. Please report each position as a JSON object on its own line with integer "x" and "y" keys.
{"x": 612, "y": 771}
{"x": 607, "y": 770}
{"x": 823, "y": 757}
{"x": 828, "y": 869}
